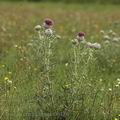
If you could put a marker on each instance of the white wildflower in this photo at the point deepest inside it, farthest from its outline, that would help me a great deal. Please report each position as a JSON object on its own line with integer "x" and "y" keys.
{"x": 110, "y": 89}
{"x": 117, "y": 85}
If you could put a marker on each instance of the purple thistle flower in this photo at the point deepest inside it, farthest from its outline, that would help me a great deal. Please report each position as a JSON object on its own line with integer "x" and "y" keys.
{"x": 81, "y": 36}
{"x": 48, "y": 23}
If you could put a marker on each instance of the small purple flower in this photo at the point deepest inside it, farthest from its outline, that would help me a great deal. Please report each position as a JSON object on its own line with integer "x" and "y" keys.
{"x": 80, "y": 36}
{"x": 48, "y": 23}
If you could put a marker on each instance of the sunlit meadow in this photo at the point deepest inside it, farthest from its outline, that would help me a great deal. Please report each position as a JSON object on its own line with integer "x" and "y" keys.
{"x": 59, "y": 61}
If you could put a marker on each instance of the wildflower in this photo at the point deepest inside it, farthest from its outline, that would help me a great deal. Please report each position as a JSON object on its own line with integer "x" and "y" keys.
{"x": 6, "y": 78}
{"x": 48, "y": 23}
{"x": 94, "y": 45}
{"x": 48, "y": 32}
{"x": 80, "y": 36}
{"x": 115, "y": 119}
{"x": 110, "y": 89}
{"x": 117, "y": 85}
{"x": 38, "y": 27}
{"x": 118, "y": 79}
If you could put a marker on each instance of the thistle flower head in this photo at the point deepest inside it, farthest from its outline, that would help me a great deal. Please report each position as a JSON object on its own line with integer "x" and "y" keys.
{"x": 80, "y": 36}
{"x": 48, "y": 23}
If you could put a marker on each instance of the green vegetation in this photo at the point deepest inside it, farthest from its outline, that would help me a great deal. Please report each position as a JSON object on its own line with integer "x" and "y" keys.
{"x": 82, "y": 84}
{"x": 70, "y": 1}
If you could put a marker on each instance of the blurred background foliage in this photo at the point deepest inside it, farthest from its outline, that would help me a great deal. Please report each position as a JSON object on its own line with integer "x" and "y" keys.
{"x": 69, "y": 1}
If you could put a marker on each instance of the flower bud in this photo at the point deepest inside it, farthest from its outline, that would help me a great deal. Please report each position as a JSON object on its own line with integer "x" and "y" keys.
{"x": 48, "y": 32}
{"x": 38, "y": 27}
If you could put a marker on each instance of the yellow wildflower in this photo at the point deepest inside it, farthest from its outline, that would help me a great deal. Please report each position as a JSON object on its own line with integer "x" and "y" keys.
{"x": 6, "y": 78}
{"x": 3, "y": 65}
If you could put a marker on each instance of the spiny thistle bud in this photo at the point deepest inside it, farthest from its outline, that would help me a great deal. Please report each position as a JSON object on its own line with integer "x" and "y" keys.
{"x": 38, "y": 27}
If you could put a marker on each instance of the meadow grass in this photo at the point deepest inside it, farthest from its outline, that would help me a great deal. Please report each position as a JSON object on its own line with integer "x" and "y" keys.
{"x": 88, "y": 93}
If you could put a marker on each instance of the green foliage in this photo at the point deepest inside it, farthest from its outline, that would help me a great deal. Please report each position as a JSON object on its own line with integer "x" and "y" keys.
{"x": 84, "y": 83}
{"x": 71, "y": 1}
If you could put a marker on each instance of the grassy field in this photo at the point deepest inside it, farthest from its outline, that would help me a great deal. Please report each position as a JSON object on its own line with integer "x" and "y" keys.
{"x": 82, "y": 84}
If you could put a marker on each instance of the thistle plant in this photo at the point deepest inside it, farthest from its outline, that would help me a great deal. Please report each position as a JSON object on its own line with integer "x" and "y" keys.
{"x": 110, "y": 36}
{"x": 42, "y": 55}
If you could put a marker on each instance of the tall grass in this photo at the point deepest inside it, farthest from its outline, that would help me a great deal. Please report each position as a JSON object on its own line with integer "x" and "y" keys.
{"x": 47, "y": 77}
